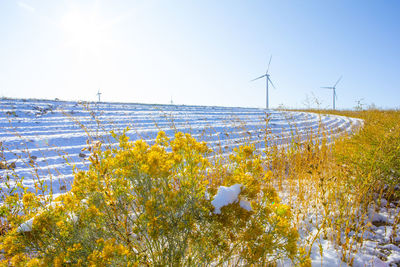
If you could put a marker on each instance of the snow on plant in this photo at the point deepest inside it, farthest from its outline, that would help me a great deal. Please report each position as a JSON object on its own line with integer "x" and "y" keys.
{"x": 170, "y": 203}
{"x": 229, "y": 195}
{"x": 226, "y": 196}
{"x": 330, "y": 186}
{"x": 147, "y": 205}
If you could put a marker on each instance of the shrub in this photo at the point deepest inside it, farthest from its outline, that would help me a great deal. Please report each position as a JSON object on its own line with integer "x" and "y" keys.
{"x": 141, "y": 204}
{"x": 373, "y": 154}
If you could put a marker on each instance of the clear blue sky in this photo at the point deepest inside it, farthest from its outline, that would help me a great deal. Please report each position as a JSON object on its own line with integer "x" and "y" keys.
{"x": 201, "y": 52}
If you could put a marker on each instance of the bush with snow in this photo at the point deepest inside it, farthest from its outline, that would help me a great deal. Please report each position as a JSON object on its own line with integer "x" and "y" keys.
{"x": 148, "y": 205}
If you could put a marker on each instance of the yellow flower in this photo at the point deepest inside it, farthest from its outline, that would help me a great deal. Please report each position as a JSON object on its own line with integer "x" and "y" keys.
{"x": 60, "y": 224}
{"x": 92, "y": 211}
{"x": 28, "y": 198}
{"x": 34, "y": 262}
{"x": 18, "y": 259}
{"x": 75, "y": 247}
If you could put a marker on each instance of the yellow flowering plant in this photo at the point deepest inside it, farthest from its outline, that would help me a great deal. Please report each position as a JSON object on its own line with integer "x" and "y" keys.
{"x": 141, "y": 204}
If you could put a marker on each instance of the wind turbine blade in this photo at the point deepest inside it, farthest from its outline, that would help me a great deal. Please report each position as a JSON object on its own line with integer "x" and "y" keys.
{"x": 269, "y": 63}
{"x": 262, "y": 76}
{"x": 338, "y": 81}
{"x": 271, "y": 83}
{"x": 335, "y": 95}
{"x": 327, "y": 87}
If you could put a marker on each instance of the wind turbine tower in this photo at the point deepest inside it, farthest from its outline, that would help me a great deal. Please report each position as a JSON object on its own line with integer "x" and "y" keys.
{"x": 267, "y": 80}
{"x": 98, "y": 94}
{"x": 333, "y": 88}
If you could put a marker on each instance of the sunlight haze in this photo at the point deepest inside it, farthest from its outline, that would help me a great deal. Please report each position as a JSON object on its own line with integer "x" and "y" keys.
{"x": 202, "y": 52}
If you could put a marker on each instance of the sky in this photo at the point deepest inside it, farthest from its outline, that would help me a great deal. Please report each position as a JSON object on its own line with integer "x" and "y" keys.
{"x": 202, "y": 52}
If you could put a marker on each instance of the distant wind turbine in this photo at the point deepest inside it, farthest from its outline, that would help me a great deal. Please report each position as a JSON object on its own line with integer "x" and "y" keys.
{"x": 268, "y": 80}
{"x": 333, "y": 88}
{"x": 98, "y": 94}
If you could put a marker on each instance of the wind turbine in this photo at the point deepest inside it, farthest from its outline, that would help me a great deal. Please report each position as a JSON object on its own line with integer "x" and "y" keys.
{"x": 98, "y": 94}
{"x": 268, "y": 80}
{"x": 333, "y": 88}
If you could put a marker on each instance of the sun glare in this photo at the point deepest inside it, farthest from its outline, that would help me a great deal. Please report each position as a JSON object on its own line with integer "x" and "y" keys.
{"x": 87, "y": 32}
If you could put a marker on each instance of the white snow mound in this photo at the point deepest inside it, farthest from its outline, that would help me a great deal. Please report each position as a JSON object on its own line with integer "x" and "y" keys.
{"x": 26, "y": 226}
{"x": 228, "y": 195}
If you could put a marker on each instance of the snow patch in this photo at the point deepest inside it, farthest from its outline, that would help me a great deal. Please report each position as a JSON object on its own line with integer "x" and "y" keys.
{"x": 377, "y": 217}
{"x": 26, "y": 226}
{"x": 245, "y": 205}
{"x": 228, "y": 195}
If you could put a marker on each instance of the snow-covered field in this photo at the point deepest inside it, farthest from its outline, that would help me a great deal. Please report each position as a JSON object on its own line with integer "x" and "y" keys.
{"x": 48, "y": 136}
{"x": 43, "y": 138}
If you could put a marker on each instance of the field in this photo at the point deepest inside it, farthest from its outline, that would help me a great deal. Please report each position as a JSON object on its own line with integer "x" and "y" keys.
{"x": 55, "y": 132}
{"x": 331, "y": 180}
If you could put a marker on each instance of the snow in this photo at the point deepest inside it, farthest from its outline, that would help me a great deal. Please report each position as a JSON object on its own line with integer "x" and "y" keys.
{"x": 379, "y": 263}
{"x": 245, "y": 205}
{"x": 376, "y": 250}
{"x": 376, "y": 217}
{"x": 43, "y": 138}
{"x": 229, "y": 195}
{"x": 391, "y": 247}
{"x": 226, "y": 196}
{"x": 26, "y": 226}
{"x": 50, "y": 131}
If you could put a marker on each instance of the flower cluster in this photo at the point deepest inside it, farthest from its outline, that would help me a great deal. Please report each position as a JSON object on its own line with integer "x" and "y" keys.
{"x": 141, "y": 204}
